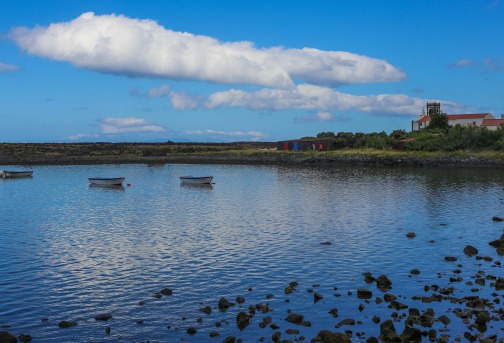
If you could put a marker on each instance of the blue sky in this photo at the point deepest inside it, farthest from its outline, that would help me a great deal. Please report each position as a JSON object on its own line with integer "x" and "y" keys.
{"x": 223, "y": 71}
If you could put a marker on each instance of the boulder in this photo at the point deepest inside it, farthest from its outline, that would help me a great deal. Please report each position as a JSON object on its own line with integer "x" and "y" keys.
{"x": 103, "y": 316}
{"x": 411, "y": 334}
{"x": 242, "y": 320}
{"x": 66, "y": 324}
{"x": 470, "y": 251}
{"x": 388, "y": 332}
{"x": 326, "y": 336}
{"x": 383, "y": 283}
{"x": 364, "y": 293}
{"x": 166, "y": 291}
{"x": 6, "y": 337}
{"x": 295, "y": 318}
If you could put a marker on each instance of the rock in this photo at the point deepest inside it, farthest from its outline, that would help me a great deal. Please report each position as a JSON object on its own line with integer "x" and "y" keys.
{"x": 348, "y": 321}
{"x": 288, "y": 290}
{"x": 415, "y": 272}
{"x": 388, "y": 332}
{"x": 334, "y": 312}
{"x": 104, "y": 316}
{"x": 497, "y": 219}
{"x": 326, "y": 336}
{"x": 383, "y": 283}
{"x": 295, "y": 318}
{"x": 66, "y": 324}
{"x": 411, "y": 334}
{"x": 470, "y": 251}
{"x": 213, "y": 334}
{"x": 364, "y": 293}
{"x": 191, "y": 330}
{"x": 206, "y": 309}
{"x": 240, "y": 300}
{"x": 292, "y": 332}
{"x": 242, "y": 320}
{"x": 499, "y": 284}
{"x": 25, "y": 338}
{"x": 411, "y": 235}
{"x": 6, "y": 337}
{"x": 166, "y": 291}
{"x": 325, "y": 243}
{"x": 230, "y": 339}
{"x": 450, "y": 258}
{"x": 224, "y": 304}
{"x": 317, "y": 297}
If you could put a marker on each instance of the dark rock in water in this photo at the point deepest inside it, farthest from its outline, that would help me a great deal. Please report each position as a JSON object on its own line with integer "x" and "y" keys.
{"x": 376, "y": 319}
{"x": 372, "y": 340}
{"x": 450, "y": 258}
{"x": 166, "y": 291}
{"x": 499, "y": 284}
{"x": 24, "y": 338}
{"x": 295, "y": 318}
{"x": 107, "y": 330}
{"x": 6, "y": 337}
{"x": 389, "y": 297}
{"x": 334, "y": 312}
{"x": 326, "y": 336}
{"x": 317, "y": 297}
{"x": 325, "y": 243}
{"x": 213, "y": 334}
{"x": 230, "y": 339}
{"x": 415, "y": 272}
{"x": 242, "y": 320}
{"x": 444, "y": 319}
{"x": 66, "y": 324}
{"x": 411, "y": 235}
{"x": 292, "y": 332}
{"x": 224, "y": 304}
{"x": 348, "y": 321}
{"x": 364, "y": 293}
{"x": 289, "y": 290}
{"x": 411, "y": 334}
{"x": 383, "y": 283}
{"x": 276, "y": 337}
{"x": 104, "y": 316}
{"x": 240, "y": 300}
{"x": 497, "y": 219}
{"x": 470, "y": 251}
{"x": 498, "y": 242}
{"x": 191, "y": 330}
{"x": 139, "y": 321}
{"x": 388, "y": 332}
{"x": 206, "y": 309}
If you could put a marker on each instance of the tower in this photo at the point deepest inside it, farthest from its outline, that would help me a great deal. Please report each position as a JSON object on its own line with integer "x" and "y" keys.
{"x": 433, "y": 107}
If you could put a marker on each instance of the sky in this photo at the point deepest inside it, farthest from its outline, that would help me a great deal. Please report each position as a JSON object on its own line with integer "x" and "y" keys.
{"x": 241, "y": 70}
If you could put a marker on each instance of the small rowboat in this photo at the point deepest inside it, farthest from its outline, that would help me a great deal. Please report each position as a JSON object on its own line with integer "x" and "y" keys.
{"x": 196, "y": 180}
{"x": 10, "y": 174}
{"x": 106, "y": 181}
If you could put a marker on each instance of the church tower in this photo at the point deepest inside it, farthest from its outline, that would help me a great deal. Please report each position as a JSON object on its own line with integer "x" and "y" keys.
{"x": 433, "y": 107}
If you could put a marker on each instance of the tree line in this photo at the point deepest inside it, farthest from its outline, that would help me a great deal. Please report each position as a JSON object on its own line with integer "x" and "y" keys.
{"x": 438, "y": 136}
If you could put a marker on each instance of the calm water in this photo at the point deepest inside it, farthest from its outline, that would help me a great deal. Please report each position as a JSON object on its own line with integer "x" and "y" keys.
{"x": 69, "y": 251}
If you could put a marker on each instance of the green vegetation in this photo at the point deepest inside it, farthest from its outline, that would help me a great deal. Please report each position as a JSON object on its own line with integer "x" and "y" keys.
{"x": 437, "y": 137}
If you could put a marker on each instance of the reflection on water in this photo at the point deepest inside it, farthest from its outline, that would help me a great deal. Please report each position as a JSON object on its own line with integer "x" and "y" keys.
{"x": 87, "y": 250}
{"x": 196, "y": 185}
{"x": 107, "y": 187}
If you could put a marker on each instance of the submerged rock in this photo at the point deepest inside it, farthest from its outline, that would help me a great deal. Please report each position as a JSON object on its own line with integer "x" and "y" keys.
{"x": 66, "y": 324}
{"x": 470, "y": 251}
{"x": 383, "y": 282}
{"x": 7, "y": 337}
{"x": 326, "y": 336}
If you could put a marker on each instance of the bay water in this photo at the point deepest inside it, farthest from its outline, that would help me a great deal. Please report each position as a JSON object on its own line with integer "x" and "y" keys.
{"x": 70, "y": 251}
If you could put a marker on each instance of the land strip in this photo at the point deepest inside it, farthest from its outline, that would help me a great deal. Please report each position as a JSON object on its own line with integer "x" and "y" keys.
{"x": 265, "y": 153}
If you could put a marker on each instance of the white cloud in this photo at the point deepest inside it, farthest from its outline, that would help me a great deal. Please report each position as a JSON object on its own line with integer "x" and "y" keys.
{"x": 7, "y": 67}
{"x": 81, "y": 136}
{"x": 112, "y": 126}
{"x": 116, "y": 44}
{"x": 159, "y": 92}
{"x": 323, "y": 99}
{"x": 227, "y": 135}
{"x": 184, "y": 101}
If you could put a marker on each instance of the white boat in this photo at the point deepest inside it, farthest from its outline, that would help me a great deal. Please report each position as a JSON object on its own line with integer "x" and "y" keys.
{"x": 10, "y": 174}
{"x": 106, "y": 181}
{"x": 196, "y": 180}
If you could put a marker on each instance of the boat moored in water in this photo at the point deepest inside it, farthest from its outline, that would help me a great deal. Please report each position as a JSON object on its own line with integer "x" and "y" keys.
{"x": 10, "y": 174}
{"x": 196, "y": 180}
{"x": 106, "y": 181}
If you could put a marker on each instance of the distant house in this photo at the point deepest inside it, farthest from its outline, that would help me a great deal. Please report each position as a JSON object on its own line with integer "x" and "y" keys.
{"x": 469, "y": 119}
{"x": 492, "y": 124}
{"x": 321, "y": 144}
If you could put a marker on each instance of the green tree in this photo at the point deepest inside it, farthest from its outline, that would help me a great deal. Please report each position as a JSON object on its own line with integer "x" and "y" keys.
{"x": 438, "y": 121}
{"x": 326, "y": 135}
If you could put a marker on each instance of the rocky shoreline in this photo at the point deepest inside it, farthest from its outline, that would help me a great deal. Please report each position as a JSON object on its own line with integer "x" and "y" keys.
{"x": 414, "y": 318}
{"x": 259, "y": 158}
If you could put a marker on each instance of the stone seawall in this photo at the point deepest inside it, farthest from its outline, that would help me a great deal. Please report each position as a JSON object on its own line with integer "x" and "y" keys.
{"x": 259, "y": 158}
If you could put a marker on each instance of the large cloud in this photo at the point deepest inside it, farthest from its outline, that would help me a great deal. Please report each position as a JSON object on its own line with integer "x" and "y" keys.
{"x": 113, "y": 125}
{"x": 119, "y": 45}
{"x": 310, "y": 97}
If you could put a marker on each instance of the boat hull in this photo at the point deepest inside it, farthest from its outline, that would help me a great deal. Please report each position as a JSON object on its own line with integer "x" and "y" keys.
{"x": 196, "y": 180}
{"x": 9, "y": 174}
{"x": 106, "y": 181}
